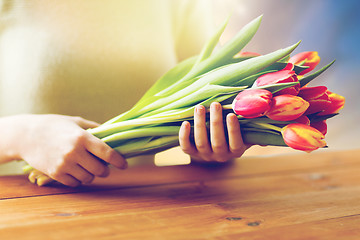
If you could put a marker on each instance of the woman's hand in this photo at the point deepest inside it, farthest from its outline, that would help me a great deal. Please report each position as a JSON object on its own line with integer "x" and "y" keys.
{"x": 60, "y": 147}
{"x": 216, "y": 147}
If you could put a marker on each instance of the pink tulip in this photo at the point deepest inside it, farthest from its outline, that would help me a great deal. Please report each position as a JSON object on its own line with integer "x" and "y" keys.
{"x": 252, "y": 103}
{"x": 302, "y": 137}
{"x": 287, "y": 108}
{"x": 282, "y": 76}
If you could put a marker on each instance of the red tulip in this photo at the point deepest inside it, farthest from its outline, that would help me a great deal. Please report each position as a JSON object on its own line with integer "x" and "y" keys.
{"x": 252, "y": 103}
{"x": 320, "y": 125}
{"x": 321, "y": 100}
{"x": 317, "y": 97}
{"x": 336, "y": 103}
{"x": 303, "y": 119}
{"x": 302, "y": 137}
{"x": 309, "y": 59}
{"x": 282, "y": 76}
{"x": 287, "y": 108}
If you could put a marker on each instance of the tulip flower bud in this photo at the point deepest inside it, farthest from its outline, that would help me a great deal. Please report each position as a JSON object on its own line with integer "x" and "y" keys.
{"x": 336, "y": 103}
{"x": 302, "y": 137}
{"x": 287, "y": 108}
{"x": 317, "y": 98}
{"x": 282, "y": 76}
{"x": 320, "y": 125}
{"x": 252, "y": 103}
{"x": 309, "y": 59}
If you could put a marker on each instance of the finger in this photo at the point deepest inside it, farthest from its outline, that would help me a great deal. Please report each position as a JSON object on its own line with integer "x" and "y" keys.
{"x": 33, "y": 175}
{"x": 184, "y": 139}
{"x": 81, "y": 174}
{"x": 200, "y": 131}
{"x": 103, "y": 151}
{"x": 93, "y": 165}
{"x": 236, "y": 144}
{"x": 217, "y": 135}
{"x": 43, "y": 180}
{"x": 68, "y": 180}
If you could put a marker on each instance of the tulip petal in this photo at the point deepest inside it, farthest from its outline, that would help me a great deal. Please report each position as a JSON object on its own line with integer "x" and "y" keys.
{"x": 320, "y": 125}
{"x": 287, "y": 108}
{"x": 310, "y": 59}
{"x": 309, "y": 93}
{"x": 336, "y": 103}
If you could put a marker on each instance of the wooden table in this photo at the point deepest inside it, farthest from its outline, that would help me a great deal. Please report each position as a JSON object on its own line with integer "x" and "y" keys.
{"x": 297, "y": 196}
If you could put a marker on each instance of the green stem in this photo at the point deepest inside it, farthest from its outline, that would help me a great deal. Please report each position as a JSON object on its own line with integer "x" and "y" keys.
{"x": 267, "y": 126}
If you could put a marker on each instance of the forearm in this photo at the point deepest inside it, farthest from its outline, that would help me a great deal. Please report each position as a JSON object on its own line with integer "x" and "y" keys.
{"x": 10, "y": 137}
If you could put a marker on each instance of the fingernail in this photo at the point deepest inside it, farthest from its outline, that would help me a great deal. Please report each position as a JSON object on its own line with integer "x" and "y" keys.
{"x": 199, "y": 109}
{"x": 215, "y": 106}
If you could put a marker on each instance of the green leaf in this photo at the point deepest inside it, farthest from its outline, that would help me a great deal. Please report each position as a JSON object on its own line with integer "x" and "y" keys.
{"x": 318, "y": 118}
{"x": 211, "y": 44}
{"x": 169, "y": 78}
{"x": 237, "y": 43}
{"x": 199, "y": 96}
{"x": 223, "y": 56}
{"x": 249, "y": 81}
{"x": 281, "y": 65}
{"x": 224, "y": 76}
{"x": 309, "y": 78}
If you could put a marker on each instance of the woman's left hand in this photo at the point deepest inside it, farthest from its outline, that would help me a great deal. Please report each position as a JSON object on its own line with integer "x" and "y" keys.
{"x": 216, "y": 147}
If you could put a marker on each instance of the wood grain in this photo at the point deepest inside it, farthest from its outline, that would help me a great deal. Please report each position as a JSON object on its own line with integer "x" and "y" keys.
{"x": 300, "y": 196}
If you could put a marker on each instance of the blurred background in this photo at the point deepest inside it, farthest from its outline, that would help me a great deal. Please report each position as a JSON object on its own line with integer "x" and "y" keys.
{"x": 96, "y": 58}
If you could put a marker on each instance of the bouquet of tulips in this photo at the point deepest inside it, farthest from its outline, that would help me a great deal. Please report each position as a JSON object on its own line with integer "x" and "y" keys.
{"x": 269, "y": 94}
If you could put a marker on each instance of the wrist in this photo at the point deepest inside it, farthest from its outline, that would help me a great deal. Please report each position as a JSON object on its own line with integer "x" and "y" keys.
{"x": 11, "y": 133}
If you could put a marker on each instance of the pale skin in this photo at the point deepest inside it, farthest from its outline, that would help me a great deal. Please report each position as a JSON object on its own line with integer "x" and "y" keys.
{"x": 58, "y": 146}
{"x": 213, "y": 146}
{"x": 61, "y": 148}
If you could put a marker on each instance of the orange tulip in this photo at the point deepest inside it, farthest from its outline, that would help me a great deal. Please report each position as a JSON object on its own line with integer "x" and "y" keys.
{"x": 309, "y": 59}
{"x": 282, "y": 76}
{"x": 287, "y": 108}
{"x": 302, "y": 137}
{"x": 252, "y": 103}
